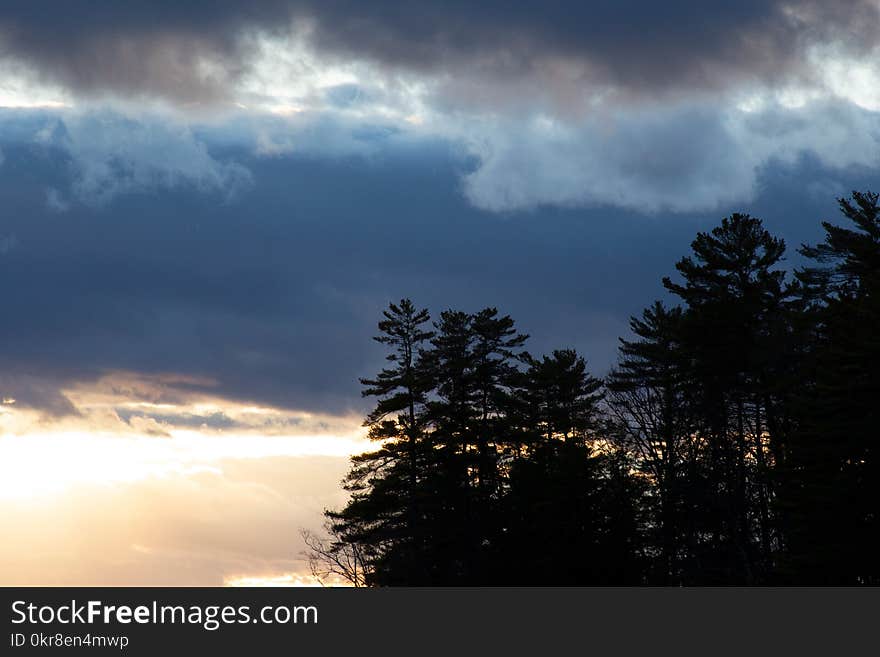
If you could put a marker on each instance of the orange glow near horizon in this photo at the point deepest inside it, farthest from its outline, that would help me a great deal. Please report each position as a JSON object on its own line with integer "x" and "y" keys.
{"x": 287, "y": 579}
{"x": 40, "y": 464}
{"x": 129, "y": 490}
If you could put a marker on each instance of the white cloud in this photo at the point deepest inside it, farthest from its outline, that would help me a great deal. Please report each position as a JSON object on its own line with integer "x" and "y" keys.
{"x": 587, "y": 146}
{"x": 20, "y": 88}
{"x": 560, "y": 141}
{"x": 113, "y": 154}
{"x": 552, "y": 141}
{"x": 680, "y": 159}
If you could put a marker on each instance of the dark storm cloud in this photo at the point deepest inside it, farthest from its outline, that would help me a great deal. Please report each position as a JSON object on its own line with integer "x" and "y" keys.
{"x": 272, "y": 296}
{"x": 634, "y": 44}
{"x": 150, "y": 48}
{"x": 160, "y": 47}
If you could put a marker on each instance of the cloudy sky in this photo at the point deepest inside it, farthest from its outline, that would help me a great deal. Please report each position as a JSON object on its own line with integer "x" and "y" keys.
{"x": 207, "y": 204}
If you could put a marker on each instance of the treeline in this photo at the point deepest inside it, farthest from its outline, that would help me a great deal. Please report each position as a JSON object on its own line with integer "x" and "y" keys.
{"x": 735, "y": 442}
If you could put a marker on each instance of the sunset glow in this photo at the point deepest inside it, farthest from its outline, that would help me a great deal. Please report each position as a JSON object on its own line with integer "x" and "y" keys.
{"x": 121, "y": 458}
{"x": 210, "y": 214}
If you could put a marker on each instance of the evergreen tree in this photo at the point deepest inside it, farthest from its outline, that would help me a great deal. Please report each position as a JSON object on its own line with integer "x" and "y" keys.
{"x": 473, "y": 362}
{"x": 833, "y": 479}
{"x": 734, "y": 442}
{"x": 561, "y": 397}
{"x": 733, "y": 291}
{"x": 387, "y": 510}
{"x": 571, "y": 508}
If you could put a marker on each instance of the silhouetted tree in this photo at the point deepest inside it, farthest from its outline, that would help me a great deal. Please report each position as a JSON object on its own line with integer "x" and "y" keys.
{"x": 733, "y": 291}
{"x": 832, "y": 491}
{"x": 571, "y": 512}
{"x": 648, "y": 397}
{"x": 473, "y": 362}
{"x": 386, "y": 514}
{"x": 735, "y": 441}
{"x": 332, "y": 558}
{"x": 561, "y": 398}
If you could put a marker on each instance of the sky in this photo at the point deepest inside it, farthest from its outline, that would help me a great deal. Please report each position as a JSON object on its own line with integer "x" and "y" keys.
{"x": 206, "y": 206}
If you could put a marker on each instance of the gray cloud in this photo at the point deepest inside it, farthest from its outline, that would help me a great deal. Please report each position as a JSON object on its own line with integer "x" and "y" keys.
{"x": 195, "y": 51}
{"x": 561, "y": 48}
{"x": 685, "y": 158}
{"x": 184, "y": 51}
{"x": 565, "y": 104}
{"x": 272, "y": 296}
{"x": 36, "y": 391}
